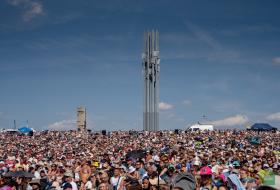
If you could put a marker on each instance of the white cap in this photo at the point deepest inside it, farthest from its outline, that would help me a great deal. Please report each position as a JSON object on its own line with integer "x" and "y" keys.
{"x": 266, "y": 166}
{"x": 225, "y": 170}
{"x": 156, "y": 159}
{"x": 196, "y": 163}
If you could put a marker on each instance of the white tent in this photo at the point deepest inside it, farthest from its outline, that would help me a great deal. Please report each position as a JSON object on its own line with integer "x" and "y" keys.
{"x": 201, "y": 127}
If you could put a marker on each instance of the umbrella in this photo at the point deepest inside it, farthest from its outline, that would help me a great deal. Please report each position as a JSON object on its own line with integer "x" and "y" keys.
{"x": 255, "y": 140}
{"x": 136, "y": 154}
{"x": 19, "y": 174}
{"x": 24, "y": 130}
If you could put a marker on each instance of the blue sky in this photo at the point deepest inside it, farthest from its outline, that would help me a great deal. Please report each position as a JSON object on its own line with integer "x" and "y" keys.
{"x": 219, "y": 58}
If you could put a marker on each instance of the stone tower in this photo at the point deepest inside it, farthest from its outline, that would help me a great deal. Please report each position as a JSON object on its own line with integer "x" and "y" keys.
{"x": 81, "y": 119}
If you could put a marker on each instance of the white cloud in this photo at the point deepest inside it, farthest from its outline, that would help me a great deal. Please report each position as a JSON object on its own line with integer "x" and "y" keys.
{"x": 231, "y": 121}
{"x": 36, "y": 9}
{"x": 63, "y": 125}
{"x": 165, "y": 106}
{"x": 187, "y": 102}
{"x": 276, "y": 60}
{"x": 274, "y": 117}
{"x": 31, "y": 9}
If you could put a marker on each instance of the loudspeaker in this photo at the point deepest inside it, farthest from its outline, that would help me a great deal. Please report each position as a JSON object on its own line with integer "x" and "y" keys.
{"x": 176, "y": 131}
{"x": 103, "y": 132}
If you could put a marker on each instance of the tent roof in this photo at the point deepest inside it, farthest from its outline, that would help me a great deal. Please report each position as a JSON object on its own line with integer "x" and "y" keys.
{"x": 263, "y": 126}
{"x": 25, "y": 129}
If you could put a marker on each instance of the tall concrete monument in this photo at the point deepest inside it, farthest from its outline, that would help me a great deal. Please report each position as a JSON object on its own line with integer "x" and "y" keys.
{"x": 150, "y": 61}
{"x": 81, "y": 119}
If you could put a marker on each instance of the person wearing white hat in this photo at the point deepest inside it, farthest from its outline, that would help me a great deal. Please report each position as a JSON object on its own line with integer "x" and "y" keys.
{"x": 196, "y": 163}
{"x": 133, "y": 173}
{"x": 131, "y": 169}
{"x": 69, "y": 179}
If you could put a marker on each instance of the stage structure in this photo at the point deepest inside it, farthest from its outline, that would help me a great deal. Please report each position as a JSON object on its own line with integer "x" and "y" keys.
{"x": 150, "y": 64}
{"x": 81, "y": 119}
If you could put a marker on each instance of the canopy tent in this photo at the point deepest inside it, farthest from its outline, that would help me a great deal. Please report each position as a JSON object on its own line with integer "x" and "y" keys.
{"x": 262, "y": 127}
{"x": 10, "y": 131}
{"x": 25, "y": 130}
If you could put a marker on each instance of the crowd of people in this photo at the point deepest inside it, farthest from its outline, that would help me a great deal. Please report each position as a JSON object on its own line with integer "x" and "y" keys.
{"x": 219, "y": 159}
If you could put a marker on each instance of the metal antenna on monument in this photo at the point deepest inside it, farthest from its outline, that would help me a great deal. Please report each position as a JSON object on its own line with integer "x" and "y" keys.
{"x": 204, "y": 118}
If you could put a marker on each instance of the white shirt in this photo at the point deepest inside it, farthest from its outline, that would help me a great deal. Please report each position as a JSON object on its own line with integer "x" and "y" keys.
{"x": 89, "y": 185}
{"x": 116, "y": 181}
{"x": 37, "y": 175}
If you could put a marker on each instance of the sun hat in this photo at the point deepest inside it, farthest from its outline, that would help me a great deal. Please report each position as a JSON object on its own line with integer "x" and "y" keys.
{"x": 68, "y": 174}
{"x": 95, "y": 164}
{"x": 131, "y": 169}
{"x": 206, "y": 171}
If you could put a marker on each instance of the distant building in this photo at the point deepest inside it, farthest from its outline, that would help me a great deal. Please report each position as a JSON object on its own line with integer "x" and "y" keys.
{"x": 81, "y": 119}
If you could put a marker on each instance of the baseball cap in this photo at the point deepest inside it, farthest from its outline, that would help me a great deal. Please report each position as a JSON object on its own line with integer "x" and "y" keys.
{"x": 206, "y": 171}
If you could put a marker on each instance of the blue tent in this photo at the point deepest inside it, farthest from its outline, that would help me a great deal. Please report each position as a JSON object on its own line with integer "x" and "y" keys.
{"x": 24, "y": 130}
{"x": 262, "y": 127}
